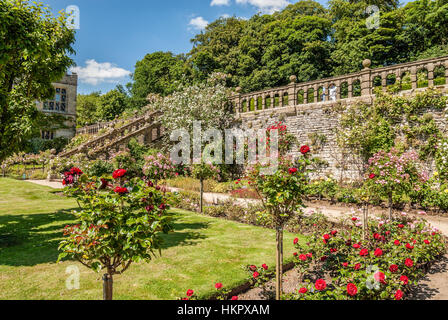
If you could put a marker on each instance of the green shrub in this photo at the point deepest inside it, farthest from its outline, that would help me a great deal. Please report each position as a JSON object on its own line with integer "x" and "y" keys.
{"x": 100, "y": 168}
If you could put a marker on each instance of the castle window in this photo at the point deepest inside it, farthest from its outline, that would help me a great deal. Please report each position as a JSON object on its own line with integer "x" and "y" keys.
{"x": 59, "y": 101}
{"x": 47, "y": 135}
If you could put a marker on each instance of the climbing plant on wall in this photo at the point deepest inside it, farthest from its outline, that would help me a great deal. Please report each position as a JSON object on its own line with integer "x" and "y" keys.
{"x": 391, "y": 121}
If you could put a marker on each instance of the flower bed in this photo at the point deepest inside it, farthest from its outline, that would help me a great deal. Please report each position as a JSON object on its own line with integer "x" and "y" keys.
{"x": 381, "y": 262}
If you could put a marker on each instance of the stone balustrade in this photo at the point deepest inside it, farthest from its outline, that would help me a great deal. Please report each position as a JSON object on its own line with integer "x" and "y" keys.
{"x": 118, "y": 135}
{"x": 410, "y": 75}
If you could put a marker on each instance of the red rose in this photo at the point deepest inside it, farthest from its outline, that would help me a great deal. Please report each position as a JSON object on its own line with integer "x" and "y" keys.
{"x": 304, "y": 149}
{"x": 400, "y": 226}
{"x": 345, "y": 264}
{"x": 356, "y": 246}
{"x": 303, "y": 290}
{"x": 372, "y": 176}
{"x": 357, "y": 266}
{"x": 296, "y": 240}
{"x": 404, "y": 280}
{"x": 121, "y": 190}
{"x": 76, "y": 171}
{"x": 292, "y": 170}
{"x": 118, "y": 173}
{"x": 255, "y": 274}
{"x": 396, "y": 242}
{"x": 264, "y": 266}
{"x": 309, "y": 255}
{"x": 398, "y": 295}
{"x": 364, "y": 252}
{"x": 378, "y": 252}
{"x": 376, "y": 236}
{"x": 380, "y": 277}
{"x": 333, "y": 233}
{"x": 218, "y": 285}
{"x": 393, "y": 268}
{"x": 354, "y": 219}
{"x": 190, "y": 293}
{"x": 302, "y": 257}
{"x": 320, "y": 284}
{"x": 352, "y": 290}
{"x": 426, "y": 242}
{"x": 295, "y": 254}
{"x": 323, "y": 258}
{"x": 326, "y": 236}
{"x": 253, "y": 268}
{"x": 162, "y": 206}
{"x": 234, "y": 298}
{"x": 409, "y": 246}
{"x": 409, "y": 263}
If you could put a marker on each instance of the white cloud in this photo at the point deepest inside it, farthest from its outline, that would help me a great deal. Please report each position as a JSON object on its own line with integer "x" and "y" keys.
{"x": 220, "y": 3}
{"x": 225, "y": 16}
{"x": 95, "y": 73}
{"x": 198, "y": 23}
{"x": 266, "y": 6}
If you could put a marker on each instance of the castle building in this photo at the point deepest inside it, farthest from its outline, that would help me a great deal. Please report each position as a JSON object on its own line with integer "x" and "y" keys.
{"x": 63, "y": 103}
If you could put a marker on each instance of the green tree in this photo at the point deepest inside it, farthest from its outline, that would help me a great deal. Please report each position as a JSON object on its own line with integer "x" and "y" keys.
{"x": 34, "y": 52}
{"x": 86, "y": 108}
{"x": 111, "y": 105}
{"x": 157, "y": 73}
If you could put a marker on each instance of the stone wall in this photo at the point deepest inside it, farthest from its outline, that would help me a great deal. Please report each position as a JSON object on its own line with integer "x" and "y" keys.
{"x": 306, "y": 121}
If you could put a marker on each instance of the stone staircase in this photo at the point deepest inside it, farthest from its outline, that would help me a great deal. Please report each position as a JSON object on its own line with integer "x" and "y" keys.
{"x": 146, "y": 129}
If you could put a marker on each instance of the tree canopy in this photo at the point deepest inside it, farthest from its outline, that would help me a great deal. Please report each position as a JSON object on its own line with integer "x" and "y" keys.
{"x": 34, "y": 52}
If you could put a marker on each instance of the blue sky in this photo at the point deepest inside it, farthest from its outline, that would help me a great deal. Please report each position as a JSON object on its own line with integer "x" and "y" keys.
{"x": 115, "y": 34}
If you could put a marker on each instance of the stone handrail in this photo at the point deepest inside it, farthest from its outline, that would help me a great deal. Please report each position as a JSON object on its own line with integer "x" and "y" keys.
{"x": 359, "y": 84}
{"x": 115, "y": 135}
{"x": 94, "y": 128}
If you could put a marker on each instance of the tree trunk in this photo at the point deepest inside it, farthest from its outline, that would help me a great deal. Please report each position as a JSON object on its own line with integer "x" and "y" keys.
{"x": 108, "y": 282}
{"x": 390, "y": 206}
{"x": 279, "y": 266}
{"x": 366, "y": 220}
{"x": 201, "y": 189}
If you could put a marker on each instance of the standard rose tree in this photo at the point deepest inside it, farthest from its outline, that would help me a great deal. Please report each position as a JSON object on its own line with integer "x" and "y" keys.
{"x": 202, "y": 172}
{"x": 281, "y": 194}
{"x": 393, "y": 174}
{"x": 120, "y": 222}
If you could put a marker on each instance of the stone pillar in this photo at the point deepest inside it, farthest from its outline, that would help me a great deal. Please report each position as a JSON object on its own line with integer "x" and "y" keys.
{"x": 414, "y": 77}
{"x": 350, "y": 88}
{"x": 292, "y": 93}
{"x": 430, "y": 75}
{"x": 237, "y": 100}
{"x": 338, "y": 90}
{"x": 316, "y": 93}
{"x": 366, "y": 83}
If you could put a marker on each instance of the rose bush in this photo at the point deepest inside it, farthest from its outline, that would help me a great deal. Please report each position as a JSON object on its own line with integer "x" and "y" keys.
{"x": 383, "y": 266}
{"x": 120, "y": 222}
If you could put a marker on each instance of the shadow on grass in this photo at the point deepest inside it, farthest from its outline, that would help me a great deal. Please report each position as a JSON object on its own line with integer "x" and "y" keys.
{"x": 32, "y": 239}
{"x": 182, "y": 236}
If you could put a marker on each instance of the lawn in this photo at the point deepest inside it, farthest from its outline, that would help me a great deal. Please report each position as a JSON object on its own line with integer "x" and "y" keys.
{"x": 201, "y": 251}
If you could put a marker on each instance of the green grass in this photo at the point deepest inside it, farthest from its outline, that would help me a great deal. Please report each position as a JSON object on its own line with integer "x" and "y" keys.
{"x": 201, "y": 251}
